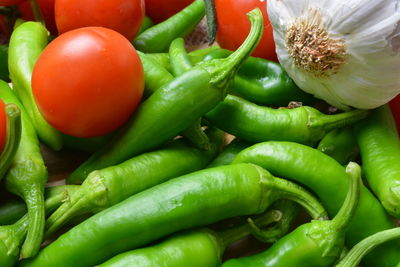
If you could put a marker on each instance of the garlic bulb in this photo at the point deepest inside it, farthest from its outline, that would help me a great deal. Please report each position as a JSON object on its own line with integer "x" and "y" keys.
{"x": 346, "y": 52}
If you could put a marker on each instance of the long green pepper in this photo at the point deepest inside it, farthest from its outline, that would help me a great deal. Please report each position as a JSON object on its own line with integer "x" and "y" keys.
{"x": 379, "y": 145}
{"x": 315, "y": 244}
{"x": 255, "y": 123}
{"x": 174, "y": 107}
{"x": 26, "y": 43}
{"x": 27, "y": 176}
{"x": 224, "y": 192}
{"x": 107, "y": 187}
{"x": 157, "y": 38}
{"x": 195, "y": 248}
{"x": 328, "y": 179}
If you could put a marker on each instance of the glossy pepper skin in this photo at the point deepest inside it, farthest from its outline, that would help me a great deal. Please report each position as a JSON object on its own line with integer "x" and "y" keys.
{"x": 26, "y": 43}
{"x": 263, "y": 82}
{"x": 173, "y": 108}
{"x": 11, "y": 236}
{"x": 227, "y": 191}
{"x": 27, "y": 176}
{"x": 157, "y": 38}
{"x": 327, "y": 178}
{"x": 107, "y": 187}
{"x": 255, "y": 123}
{"x": 315, "y": 244}
{"x": 340, "y": 144}
{"x": 379, "y": 145}
{"x": 355, "y": 255}
{"x": 195, "y": 248}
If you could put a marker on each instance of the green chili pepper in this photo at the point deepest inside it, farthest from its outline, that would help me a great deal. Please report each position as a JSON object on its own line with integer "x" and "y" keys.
{"x": 180, "y": 63}
{"x": 340, "y": 144}
{"x": 174, "y": 107}
{"x": 13, "y": 137}
{"x": 147, "y": 23}
{"x": 263, "y": 82}
{"x": 192, "y": 200}
{"x": 255, "y": 123}
{"x": 27, "y": 176}
{"x": 26, "y": 43}
{"x": 318, "y": 243}
{"x": 195, "y": 248}
{"x": 379, "y": 144}
{"x": 354, "y": 256}
{"x": 157, "y": 38}
{"x": 327, "y": 178}
{"x": 107, "y": 187}
{"x": 11, "y": 236}
{"x": 229, "y": 153}
{"x": 4, "y": 74}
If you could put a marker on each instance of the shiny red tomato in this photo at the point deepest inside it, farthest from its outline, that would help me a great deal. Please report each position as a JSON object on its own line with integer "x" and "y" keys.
{"x": 87, "y": 82}
{"x": 233, "y": 26}
{"x": 160, "y": 10}
{"x": 3, "y": 125}
{"x": 123, "y": 16}
{"x": 10, "y": 2}
{"x": 395, "y": 105}
{"x": 47, "y": 8}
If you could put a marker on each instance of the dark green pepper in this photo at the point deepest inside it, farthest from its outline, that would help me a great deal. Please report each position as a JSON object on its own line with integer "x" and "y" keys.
{"x": 379, "y": 145}
{"x": 315, "y": 244}
{"x": 147, "y": 23}
{"x": 327, "y": 178}
{"x": 158, "y": 38}
{"x": 26, "y": 43}
{"x": 107, "y": 187}
{"x": 229, "y": 153}
{"x": 173, "y": 108}
{"x": 192, "y": 200}
{"x": 4, "y": 73}
{"x": 255, "y": 123}
{"x": 263, "y": 82}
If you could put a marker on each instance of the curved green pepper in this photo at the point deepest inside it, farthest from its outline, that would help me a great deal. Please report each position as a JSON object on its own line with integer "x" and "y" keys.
{"x": 192, "y": 200}
{"x": 379, "y": 145}
{"x": 158, "y": 38}
{"x": 27, "y": 176}
{"x": 327, "y": 178}
{"x": 26, "y": 43}
{"x": 107, "y": 187}
{"x": 255, "y": 123}
{"x": 174, "y": 107}
{"x": 316, "y": 244}
{"x": 263, "y": 82}
{"x": 340, "y": 144}
{"x": 195, "y": 248}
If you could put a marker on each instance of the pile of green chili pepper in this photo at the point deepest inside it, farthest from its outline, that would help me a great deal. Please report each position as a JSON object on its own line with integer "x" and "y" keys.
{"x": 223, "y": 147}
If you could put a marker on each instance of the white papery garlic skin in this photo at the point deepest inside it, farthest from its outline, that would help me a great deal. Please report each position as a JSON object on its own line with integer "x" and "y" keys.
{"x": 346, "y": 52}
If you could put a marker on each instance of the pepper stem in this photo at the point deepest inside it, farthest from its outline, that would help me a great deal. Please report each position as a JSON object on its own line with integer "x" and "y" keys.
{"x": 330, "y": 122}
{"x": 285, "y": 189}
{"x": 13, "y": 137}
{"x": 353, "y": 258}
{"x": 36, "y": 12}
{"x": 346, "y": 212}
{"x": 232, "y": 235}
{"x": 222, "y": 70}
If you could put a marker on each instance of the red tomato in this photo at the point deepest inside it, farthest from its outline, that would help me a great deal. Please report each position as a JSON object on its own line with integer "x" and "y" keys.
{"x": 395, "y": 105}
{"x": 3, "y": 125}
{"x": 123, "y": 16}
{"x": 47, "y": 8}
{"x": 88, "y": 81}
{"x": 10, "y": 2}
{"x": 233, "y": 26}
{"x": 160, "y": 10}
